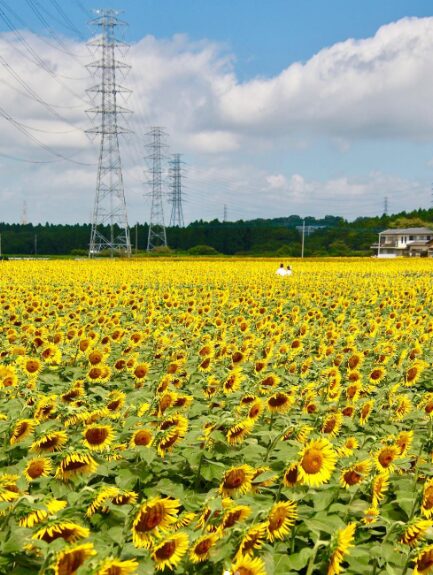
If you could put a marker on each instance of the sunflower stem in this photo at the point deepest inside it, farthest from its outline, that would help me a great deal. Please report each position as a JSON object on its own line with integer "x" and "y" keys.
{"x": 310, "y": 567}
{"x": 197, "y": 475}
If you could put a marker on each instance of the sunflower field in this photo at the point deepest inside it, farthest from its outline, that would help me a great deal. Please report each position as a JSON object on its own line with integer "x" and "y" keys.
{"x": 208, "y": 417}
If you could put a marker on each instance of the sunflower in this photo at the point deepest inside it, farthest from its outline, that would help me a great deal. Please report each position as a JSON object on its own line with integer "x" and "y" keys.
{"x": 8, "y": 376}
{"x": 184, "y": 520}
{"x": 370, "y": 515}
{"x": 37, "y": 467}
{"x": 51, "y": 354}
{"x": 234, "y": 515}
{"x": 237, "y": 480}
{"x": 50, "y": 507}
{"x": 124, "y": 498}
{"x": 233, "y": 381}
{"x": 344, "y": 541}
{"x": 23, "y": 428}
{"x": 280, "y": 402}
{"x": 96, "y": 356}
{"x": 100, "y": 373}
{"x": 69, "y": 561}
{"x": 70, "y": 532}
{"x": 202, "y": 547}
{"x": 353, "y": 390}
{"x": 424, "y": 561}
{"x": 290, "y": 477}
{"x": 115, "y": 400}
{"x": 380, "y": 486}
{"x": 74, "y": 392}
{"x": 140, "y": 371}
{"x": 332, "y": 424}
{"x": 427, "y": 499}
{"x": 403, "y": 406}
{"x": 415, "y": 532}
{"x": 404, "y": 441}
{"x": 112, "y": 566}
{"x": 170, "y": 551}
{"x": 366, "y": 411}
{"x": 355, "y": 360}
{"x": 76, "y": 464}
{"x": 50, "y": 442}
{"x": 98, "y": 437}
{"x": 376, "y": 375}
{"x": 256, "y": 409}
{"x": 154, "y": 517}
{"x": 32, "y": 366}
{"x": 355, "y": 474}
{"x": 9, "y": 490}
{"x": 252, "y": 540}
{"x": 269, "y": 382}
{"x": 317, "y": 462}
{"x": 248, "y": 566}
{"x": 141, "y": 438}
{"x": 46, "y": 408}
{"x": 414, "y": 372}
{"x": 280, "y": 520}
{"x": 238, "y": 432}
{"x": 100, "y": 501}
{"x": 385, "y": 457}
{"x": 205, "y": 364}
{"x": 170, "y": 439}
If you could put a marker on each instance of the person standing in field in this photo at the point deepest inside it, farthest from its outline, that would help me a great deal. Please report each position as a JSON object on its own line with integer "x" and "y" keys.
{"x": 281, "y": 271}
{"x": 289, "y": 271}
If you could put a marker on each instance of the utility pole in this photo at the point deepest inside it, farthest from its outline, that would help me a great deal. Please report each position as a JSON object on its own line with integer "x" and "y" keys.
{"x": 109, "y": 221}
{"x": 225, "y": 213}
{"x": 36, "y": 244}
{"x": 136, "y": 238}
{"x": 1, "y": 246}
{"x": 385, "y": 206}
{"x": 175, "y": 175}
{"x": 24, "y": 218}
{"x": 157, "y": 235}
{"x": 303, "y": 238}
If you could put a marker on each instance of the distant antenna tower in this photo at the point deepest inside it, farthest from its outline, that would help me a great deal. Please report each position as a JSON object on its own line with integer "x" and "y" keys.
{"x": 24, "y": 217}
{"x": 157, "y": 235}
{"x": 225, "y": 213}
{"x": 109, "y": 221}
{"x": 175, "y": 175}
{"x": 385, "y": 206}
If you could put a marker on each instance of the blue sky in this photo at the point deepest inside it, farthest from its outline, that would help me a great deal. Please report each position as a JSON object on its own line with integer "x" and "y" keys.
{"x": 306, "y": 107}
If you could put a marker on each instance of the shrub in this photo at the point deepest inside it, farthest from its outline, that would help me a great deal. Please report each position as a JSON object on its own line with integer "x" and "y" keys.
{"x": 202, "y": 250}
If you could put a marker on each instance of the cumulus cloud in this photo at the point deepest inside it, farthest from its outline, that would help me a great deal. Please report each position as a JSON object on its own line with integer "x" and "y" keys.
{"x": 378, "y": 87}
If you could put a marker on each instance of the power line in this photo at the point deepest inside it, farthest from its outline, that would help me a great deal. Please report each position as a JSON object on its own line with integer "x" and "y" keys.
{"x": 23, "y": 130}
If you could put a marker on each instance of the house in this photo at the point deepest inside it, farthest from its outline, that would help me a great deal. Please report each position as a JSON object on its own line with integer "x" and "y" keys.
{"x": 404, "y": 242}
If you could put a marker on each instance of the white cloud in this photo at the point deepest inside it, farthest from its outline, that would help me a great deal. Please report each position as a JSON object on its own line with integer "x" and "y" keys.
{"x": 276, "y": 181}
{"x": 378, "y": 87}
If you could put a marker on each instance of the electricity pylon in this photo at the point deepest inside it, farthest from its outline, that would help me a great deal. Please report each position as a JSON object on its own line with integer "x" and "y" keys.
{"x": 175, "y": 175}
{"x": 157, "y": 235}
{"x": 109, "y": 222}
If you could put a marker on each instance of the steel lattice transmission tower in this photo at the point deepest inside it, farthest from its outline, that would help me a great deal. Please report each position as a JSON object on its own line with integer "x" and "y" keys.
{"x": 175, "y": 175}
{"x": 157, "y": 235}
{"x": 109, "y": 222}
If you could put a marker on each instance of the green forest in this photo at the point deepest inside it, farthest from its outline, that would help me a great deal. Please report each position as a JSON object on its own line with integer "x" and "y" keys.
{"x": 329, "y": 236}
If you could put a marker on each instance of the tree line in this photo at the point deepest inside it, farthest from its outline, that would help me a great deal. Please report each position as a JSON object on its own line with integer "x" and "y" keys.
{"x": 328, "y": 236}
